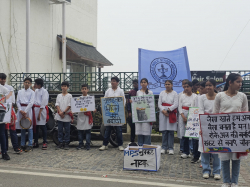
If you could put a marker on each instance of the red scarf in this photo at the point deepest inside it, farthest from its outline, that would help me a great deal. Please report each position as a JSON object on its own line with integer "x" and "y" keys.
{"x": 172, "y": 115}
{"x": 12, "y": 124}
{"x": 90, "y": 117}
{"x": 71, "y": 116}
{"x": 185, "y": 107}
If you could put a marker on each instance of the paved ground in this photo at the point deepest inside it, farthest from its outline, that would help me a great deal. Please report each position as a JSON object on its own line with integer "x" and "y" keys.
{"x": 110, "y": 163}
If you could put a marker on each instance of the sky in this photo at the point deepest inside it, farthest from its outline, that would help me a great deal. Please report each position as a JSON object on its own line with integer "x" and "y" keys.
{"x": 215, "y": 32}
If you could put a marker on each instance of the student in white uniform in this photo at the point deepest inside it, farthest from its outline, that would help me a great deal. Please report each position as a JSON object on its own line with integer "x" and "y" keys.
{"x": 40, "y": 104}
{"x": 10, "y": 98}
{"x": 63, "y": 116}
{"x": 206, "y": 104}
{"x": 231, "y": 100}
{"x": 143, "y": 130}
{"x": 115, "y": 91}
{"x": 25, "y": 101}
{"x": 3, "y": 92}
{"x": 185, "y": 103}
{"x": 179, "y": 118}
{"x": 168, "y": 104}
{"x": 84, "y": 123}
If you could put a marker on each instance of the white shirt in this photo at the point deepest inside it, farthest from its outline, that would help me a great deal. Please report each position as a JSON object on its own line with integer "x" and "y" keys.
{"x": 41, "y": 97}
{"x": 12, "y": 97}
{"x": 63, "y": 101}
{"x": 170, "y": 98}
{"x": 25, "y": 97}
{"x": 186, "y": 101}
{"x": 205, "y": 105}
{"x": 3, "y": 91}
{"x": 196, "y": 101}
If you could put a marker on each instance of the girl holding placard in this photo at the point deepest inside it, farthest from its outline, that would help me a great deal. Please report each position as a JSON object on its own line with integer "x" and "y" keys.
{"x": 168, "y": 104}
{"x": 206, "y": 103}
{"x": 143, "y": 130}
{"x": 231, "y": 100}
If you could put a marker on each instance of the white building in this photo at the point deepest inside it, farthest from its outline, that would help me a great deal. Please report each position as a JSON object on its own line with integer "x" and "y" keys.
{"x": 45, "y": 31}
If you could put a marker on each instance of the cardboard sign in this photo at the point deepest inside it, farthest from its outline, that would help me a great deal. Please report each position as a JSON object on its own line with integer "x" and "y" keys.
{"x": 146, "y": 158}
{"x": 193, "y": 123}
{"x": 83, "y": 104}
{"x": 143, "y": 109}
{"x": 225, "y": 132}
{"x": 113, "y": 111}
{"x": 5, "y": 112}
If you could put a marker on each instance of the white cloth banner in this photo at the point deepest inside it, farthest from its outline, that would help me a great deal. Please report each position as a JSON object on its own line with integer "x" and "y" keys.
{"x": 225, "y": 132}
{"x": 83, "y": 104}
{"x": 193, "y": 123}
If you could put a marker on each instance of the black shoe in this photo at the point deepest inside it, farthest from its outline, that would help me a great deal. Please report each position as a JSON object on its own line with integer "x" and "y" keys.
{"x": 60, "y": 146}
{"x": 35, "y": 145}
{"x": 80, "y": 147}
{"x": 23, "y": 148}
{"x": 5, "y": 156}
{"x": 66, "y": 146}
{"x": 18, "y": 150}
{"x": 28, "y": 149}
{"x": 194, "y": 160}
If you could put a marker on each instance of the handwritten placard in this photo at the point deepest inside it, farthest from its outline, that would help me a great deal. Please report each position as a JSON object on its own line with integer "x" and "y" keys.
{"x": 83, "y": 104}
{"x": 113, "y": 111}
{"x": 139, "y": 158}
{"x": 143, "y": 109}
{"x": 225, "y": 132}
{"x": 193, "y": 123}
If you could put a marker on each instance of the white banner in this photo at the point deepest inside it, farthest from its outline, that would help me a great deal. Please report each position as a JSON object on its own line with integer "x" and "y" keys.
{"x": 225, "y": 132}
{"x": 193, "y": 123}
{"x": 83, "y": 104}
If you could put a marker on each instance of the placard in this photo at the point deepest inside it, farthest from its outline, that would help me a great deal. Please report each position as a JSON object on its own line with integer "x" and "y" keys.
{"x": 82, "y": 104}
{"x": 139, "y": 158}
{"x": 225, "y": 132}
{"x": 5, "y": 117}
{"x": 143, "y": 109}
{"x": 193, "y": 123}
{"x": 113, "y": 111}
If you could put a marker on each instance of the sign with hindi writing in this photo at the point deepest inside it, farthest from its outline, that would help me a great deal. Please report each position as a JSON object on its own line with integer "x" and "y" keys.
{"x": 193, "y": 123}
{"x": 139, "y": 158}
{"x": 113, "y": 111}
{"x": 83, "y": 104}
{"x": 225, "y": 132}
{"x": 143, "y": 109}
{"x": 5, "y": 112}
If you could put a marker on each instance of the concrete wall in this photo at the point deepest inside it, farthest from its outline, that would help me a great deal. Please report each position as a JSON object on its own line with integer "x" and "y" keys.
{"x": 45, "y": 24}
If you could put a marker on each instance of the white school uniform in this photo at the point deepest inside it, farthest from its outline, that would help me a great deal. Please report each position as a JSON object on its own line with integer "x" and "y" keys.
{"x": 226, "y": 104}
{"x": 3, "y": 91}
{"x": 143, "y": 128}
{"x": 83, "y": 121}
{"x": 63, "y": 101}
{"x": 12, "y": 97}
{"x": 115, "y": 93}
{"x": 41, "y": 99}
{"x": 25, "y": 97}
{"x": 170, "y": 98}
{"x": 184, "y": 101}
{"x": 205, "y": 106}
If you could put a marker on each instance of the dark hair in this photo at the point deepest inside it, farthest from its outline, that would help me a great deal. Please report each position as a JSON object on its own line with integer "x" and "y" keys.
{"x": 39, "y": 81}
{"x": 135, "y": 81}
{"x": 85, "y": 86}
{"x": 195, "y": 81}
{"x": 170, "y": 81}
{"x": 189, "y": 83}
{"x": 65, "y": 83}
{"x": 115, "y": 78}
{"x": 203, "y": 84}
{"x": 27, "y": 79}
{"x": 3, "y": 76}
{"x": 144, "y": 79}
{"x": 232, "y": 77}
{"x": 184, "y": 80}
{"x": 212, "y": 81}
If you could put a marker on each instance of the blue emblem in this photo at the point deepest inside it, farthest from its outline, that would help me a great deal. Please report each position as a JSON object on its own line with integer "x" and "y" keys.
{"x": 111, "y": 108}
{"x": 163, "y": 69}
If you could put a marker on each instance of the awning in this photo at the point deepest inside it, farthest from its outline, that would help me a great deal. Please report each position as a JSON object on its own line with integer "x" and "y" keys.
{"x": 83, "y": 53}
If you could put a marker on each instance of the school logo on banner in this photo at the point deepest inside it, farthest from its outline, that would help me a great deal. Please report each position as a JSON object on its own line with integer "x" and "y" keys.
{"x": 159, "y": 66}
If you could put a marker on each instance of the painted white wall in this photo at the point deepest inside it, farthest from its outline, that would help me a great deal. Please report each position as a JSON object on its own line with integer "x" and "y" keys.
{"x": 45, "y": 25}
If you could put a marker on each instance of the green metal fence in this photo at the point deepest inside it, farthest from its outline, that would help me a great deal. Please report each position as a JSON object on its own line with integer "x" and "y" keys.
{"x": 96, "y": 81}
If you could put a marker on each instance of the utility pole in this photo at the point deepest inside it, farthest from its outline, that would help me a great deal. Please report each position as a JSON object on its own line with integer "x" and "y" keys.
{"x": 27, "y": 36}
{"x": 64, "y": 40}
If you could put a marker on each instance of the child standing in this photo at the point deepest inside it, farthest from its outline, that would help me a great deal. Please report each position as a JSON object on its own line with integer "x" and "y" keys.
{"x": 168, "y": 104}
{"x": 143, "y": 130}
{"x": 185, "y": 102}
{"x": 231, "y": 100}
{"x": 40, "y": 107}
{"x": 63, "y": 116}
{"x": 84, "y": 123}
{"x": 25, "y": 101}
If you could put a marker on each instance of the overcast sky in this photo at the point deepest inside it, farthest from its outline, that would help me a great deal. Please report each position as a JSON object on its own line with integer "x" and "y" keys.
{"x": 215, "y": 32}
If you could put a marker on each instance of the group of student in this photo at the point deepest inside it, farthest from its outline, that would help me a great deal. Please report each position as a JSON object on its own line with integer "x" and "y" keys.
{"x": 173, "y": 109}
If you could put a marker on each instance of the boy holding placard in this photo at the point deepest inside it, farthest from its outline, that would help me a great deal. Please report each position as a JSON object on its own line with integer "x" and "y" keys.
{"x": 84, "y": 123}
{"x": 63, "y": 116}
